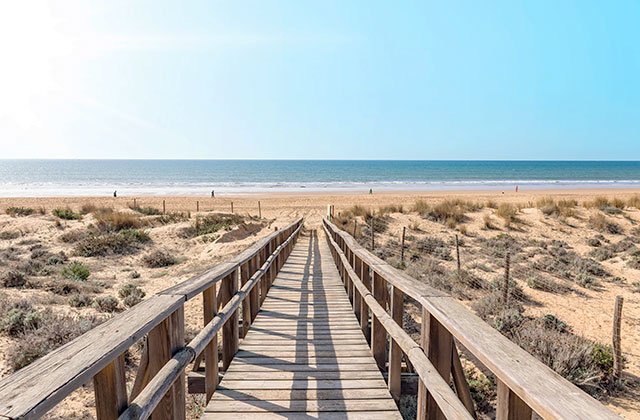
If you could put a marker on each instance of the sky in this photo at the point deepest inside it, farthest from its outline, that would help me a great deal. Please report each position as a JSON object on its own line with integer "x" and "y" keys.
{"x": 323, "y": 79}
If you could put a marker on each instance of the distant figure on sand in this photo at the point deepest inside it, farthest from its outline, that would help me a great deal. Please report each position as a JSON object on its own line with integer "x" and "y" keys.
{"x": 213, "y": 194}
{"x": 115, "y": 194}
{"x": 370, "y": 190}
{"x": 516, "y": 188}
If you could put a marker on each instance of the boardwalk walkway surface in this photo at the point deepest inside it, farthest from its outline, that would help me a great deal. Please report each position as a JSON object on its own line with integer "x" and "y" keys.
{"x": 305, "y": 356}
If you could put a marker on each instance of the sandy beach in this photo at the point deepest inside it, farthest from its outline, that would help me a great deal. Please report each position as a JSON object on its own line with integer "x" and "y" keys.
{"x": 586, "y": 311}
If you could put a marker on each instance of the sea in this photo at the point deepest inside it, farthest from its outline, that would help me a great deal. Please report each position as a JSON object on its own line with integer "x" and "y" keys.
{"x": 45, "y": 178}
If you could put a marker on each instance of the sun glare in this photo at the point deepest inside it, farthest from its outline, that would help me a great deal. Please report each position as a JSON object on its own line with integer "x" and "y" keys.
{"x": 33, "y": 46}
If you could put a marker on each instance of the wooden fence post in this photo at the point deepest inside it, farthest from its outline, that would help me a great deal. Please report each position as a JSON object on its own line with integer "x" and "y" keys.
{"x": 164, "y": 207}
{"x": 458, "y": 254}
{"x": 364, "y": 308}
{"x": 404, "y": 229}
{"x": 110, "y": 388}
{"x": 372, "y": 234}
{"x": 232, "y": 207}
{"x": 197, "y": 206}
{"x": 507, "y": 263}
{"x": 255, "y": 292}
{"x": 259, "y": 210}
{"x": 617, "y": 349}
{"x": 211, "y": 351}
{"x": 135, "y": 204}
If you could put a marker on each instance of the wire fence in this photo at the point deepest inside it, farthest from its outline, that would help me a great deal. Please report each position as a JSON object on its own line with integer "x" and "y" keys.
{"x": 549, "y": 279}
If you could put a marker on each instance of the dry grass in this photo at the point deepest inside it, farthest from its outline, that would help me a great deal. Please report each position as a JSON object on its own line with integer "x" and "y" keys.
{"x": 601, "y": 223}
{"x": 508, "y": 213}
{"x": 113, "y": 221}
{"x": 391, "y": 208}
{"x": 159, "y": 258}
{"x": 549, "y": 207}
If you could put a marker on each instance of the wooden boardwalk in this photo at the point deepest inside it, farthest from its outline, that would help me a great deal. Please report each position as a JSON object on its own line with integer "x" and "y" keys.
{"x": 305, "y": 355}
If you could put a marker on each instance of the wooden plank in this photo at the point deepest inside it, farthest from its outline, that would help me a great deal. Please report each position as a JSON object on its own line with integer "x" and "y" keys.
{"x": 323, "y": 406}
{"x": 246, "y": 303}
{"x": 342, "y": 365}
{"x": 230, "y": 330}
{"x": 308, "y": 415}
{"x": 225, "y": 394}
{"x": 306, "y": 384}
{"x": 110, "y": 388}
{"x": 289, "y": 376}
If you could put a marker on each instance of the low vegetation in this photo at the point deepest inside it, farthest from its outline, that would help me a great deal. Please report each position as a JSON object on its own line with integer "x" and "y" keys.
{"x": 66, "y": 214}
{"x": 124, "y": 242}
{"x": 603, "y": 224}
{"x": 213, "y": 223}
{"x": 76, "y": 271}
{"x": 19, "y": 211}
{"x": 131, "y": 294}
{"x": 159, "y": 258}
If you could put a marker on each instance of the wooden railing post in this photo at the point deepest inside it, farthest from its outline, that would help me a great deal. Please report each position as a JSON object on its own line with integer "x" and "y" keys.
{"x": 364, "y": 308}
{"x": 395, "y": 353}
{"x": 510, "y": 406}
{"x": 211, "y": 351}
{"x": 110, "y": 388}
{"x": 255, "y": 292}
{"x": 437, "y": 343}
{"x": 357, "y": 298}
{"x": 246, "y": 303}
{"x": 378, "y": 333}
{"x": 162, "y": 342}
{"x": 230, "y": 336}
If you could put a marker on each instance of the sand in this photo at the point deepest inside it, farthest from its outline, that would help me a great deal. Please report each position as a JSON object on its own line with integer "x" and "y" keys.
{"x": 588, "y": 314}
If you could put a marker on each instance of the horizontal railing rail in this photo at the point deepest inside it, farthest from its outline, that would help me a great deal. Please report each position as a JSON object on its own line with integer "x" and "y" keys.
{"x": 159, "y": 386}
{"x": 525, "y": 385}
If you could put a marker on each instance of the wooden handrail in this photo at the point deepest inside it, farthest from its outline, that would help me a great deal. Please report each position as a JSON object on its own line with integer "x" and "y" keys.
{"x": 524, "y": 383}
{"x": 35, "y": 389}
{"x": 435, "y": 384}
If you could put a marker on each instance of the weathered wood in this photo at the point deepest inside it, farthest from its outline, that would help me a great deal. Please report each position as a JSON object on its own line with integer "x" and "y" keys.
{"x": 460, "y": 382}
{"x": 230, "y": 332}
{"x": 617, "y": 349}
{"x": 296, "y": 344}
{"x": 110, "y": 388}
{"x": 246, "y": 303}
{"x": 164, "y": 341}
{"x": 494, "y": 351}
{"x": 510, "y": 406}
{"x": 395, "y": 353}
{"x": 378, "y": 333}
{"x": 25, "y": 393}
{"x": 211, "y": 351}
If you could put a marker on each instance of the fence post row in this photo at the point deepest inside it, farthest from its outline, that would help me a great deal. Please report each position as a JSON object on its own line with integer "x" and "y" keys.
{"x": 378, "y": 290}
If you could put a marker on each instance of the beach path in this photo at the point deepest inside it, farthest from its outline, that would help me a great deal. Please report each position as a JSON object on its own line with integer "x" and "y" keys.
{"x": 305, "y": 355}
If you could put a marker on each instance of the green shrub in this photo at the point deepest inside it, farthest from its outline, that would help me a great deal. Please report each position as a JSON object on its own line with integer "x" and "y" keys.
{"x": 131, "y": 294}
{"x": 125, "y": 242}
{"x": 19, "y": 211}
{"x": 66, "y": 214}
{"x": 20, "y": 318}
{"x": 76, "y": 271}
{"x": 205, "y": 225}
{"x": 147, "y": 211}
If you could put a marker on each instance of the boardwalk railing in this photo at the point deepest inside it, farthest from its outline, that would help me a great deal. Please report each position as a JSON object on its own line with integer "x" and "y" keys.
{"x": 525, "y": 385}
{"x": 159, "y": 386}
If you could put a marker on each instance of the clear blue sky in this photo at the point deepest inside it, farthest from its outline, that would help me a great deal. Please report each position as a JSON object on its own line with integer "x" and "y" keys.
{"x": 320, "y": 79}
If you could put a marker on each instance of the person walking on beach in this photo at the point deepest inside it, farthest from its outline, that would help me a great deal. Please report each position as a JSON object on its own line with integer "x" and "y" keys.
{"x": 213, "y": 194}
{"x": 370, "y": 190}
{"x": 115, "y": 194}
{"x": 516, "y": 188}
